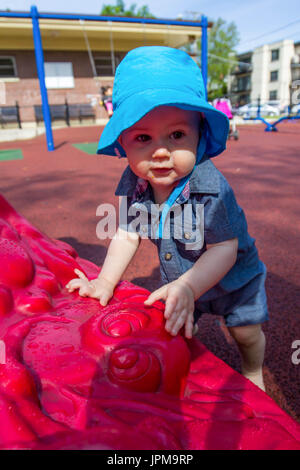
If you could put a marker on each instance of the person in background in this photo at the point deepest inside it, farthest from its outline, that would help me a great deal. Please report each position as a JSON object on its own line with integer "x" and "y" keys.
{"x": 106, "y": 100}
{"x": 224, "y": 105}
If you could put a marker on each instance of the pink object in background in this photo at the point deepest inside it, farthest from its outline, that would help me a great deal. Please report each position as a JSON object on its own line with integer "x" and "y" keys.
{"x": 81, "y": 376}
{"x": 109, "y": 107}
{"x": 223, "y": 105}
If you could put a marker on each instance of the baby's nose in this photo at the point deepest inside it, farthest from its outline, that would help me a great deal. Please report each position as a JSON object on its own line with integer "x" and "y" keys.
{"x": 161, "y": 152}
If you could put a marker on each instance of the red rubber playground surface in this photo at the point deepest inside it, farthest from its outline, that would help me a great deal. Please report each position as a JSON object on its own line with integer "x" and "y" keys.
{"x": 59, "y": 192}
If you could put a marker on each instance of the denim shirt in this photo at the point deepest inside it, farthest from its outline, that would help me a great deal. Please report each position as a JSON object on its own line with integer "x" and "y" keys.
{"x": 213, "y": 216}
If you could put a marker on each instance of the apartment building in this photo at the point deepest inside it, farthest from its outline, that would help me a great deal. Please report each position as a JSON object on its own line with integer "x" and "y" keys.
{"x": 240, "y": 80}
{"x": 296, "y": 63}
{"x": 268, "y": 72}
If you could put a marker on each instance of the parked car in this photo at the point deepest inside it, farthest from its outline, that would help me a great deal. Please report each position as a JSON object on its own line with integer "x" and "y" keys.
{"x": 276, "y": 104}
{"x": 250, "y": 110}
{"x": 295, "y": 109}
{"x": 234, "y": 110}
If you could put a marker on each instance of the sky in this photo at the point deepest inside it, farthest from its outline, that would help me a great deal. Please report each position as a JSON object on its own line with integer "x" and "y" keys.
{"x": 258, "y": 21}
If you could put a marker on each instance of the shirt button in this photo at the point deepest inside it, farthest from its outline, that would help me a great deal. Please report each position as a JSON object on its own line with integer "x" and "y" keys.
{"x": 187, "y": 235}
{"x": 168, "y": 256}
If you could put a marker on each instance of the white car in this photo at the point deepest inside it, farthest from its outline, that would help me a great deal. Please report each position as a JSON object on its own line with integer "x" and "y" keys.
{"x": 276, "y": 104}
{"x": 295, "y": 109}
{"x": 250, "y": 110}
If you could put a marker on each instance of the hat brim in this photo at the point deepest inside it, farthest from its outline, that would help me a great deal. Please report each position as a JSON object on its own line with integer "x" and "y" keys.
{"x": 136, "y": 106}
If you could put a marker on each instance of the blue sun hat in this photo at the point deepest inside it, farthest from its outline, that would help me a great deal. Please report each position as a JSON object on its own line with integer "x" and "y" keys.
{"x": 154, "y": 76}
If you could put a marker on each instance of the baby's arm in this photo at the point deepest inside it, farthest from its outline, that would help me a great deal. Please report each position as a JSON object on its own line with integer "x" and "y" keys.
{"x": 120, "y": 252}
{"x": 180, "y": 295}
{"x": 211, "y": 267}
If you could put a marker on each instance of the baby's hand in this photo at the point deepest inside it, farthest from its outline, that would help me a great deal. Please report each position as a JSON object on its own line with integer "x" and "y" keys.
{"x": 96, "y": 288}
{"x": 179, "y": 311}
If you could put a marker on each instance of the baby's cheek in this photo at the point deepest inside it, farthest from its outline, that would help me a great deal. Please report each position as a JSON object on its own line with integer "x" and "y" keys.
{"x": 185, "y": 161}
{"x": 141, "y": 169}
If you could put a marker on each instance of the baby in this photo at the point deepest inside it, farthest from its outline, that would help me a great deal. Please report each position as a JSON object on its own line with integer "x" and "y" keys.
{"x": 165, "y": 127}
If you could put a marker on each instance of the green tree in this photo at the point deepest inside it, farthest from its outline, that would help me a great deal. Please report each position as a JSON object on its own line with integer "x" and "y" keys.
{"x": 120, "y": 10}
{"x": 222, "y": 39}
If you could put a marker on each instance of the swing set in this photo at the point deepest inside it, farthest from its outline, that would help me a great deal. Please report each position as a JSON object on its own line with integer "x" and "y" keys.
{"x": 34, "y": 15}
{"x": 271, "y": 126}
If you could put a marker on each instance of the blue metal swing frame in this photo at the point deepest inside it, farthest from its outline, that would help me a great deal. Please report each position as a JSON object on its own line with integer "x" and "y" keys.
{"x": 271, "y": 127}
{"x": 39, "y": 55}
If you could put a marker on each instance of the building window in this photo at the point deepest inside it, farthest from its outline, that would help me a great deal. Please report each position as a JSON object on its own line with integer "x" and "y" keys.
{"x": 104, "y": 65}
{"x": 274, "y": 54}
{"x": 295, "y": 73}
{"x": 273, "y": 95}
{"x": 59, "y": 75}
{"x": 8, "y": 67}
{"x": 274, "y": 76}
{"x": 243, "y": 83}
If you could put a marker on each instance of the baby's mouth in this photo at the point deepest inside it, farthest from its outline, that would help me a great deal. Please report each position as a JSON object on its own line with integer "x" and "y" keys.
{"x": 161, "y": 171}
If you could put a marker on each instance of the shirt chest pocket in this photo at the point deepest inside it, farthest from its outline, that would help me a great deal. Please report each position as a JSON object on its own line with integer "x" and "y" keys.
{"x": 139, "y": 220}
{"x": 189, "y": 234}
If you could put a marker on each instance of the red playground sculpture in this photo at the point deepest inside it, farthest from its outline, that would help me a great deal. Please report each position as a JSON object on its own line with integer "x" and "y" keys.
{"x": 75, "y": 375}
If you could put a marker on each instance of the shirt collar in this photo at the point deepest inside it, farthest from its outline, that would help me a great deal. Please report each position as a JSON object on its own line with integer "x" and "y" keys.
{"x": 127, "y": 183}
{"x": 204, "y": 179}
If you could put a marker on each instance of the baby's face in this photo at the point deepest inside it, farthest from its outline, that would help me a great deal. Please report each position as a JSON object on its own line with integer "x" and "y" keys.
{"x": 162, "y": 147}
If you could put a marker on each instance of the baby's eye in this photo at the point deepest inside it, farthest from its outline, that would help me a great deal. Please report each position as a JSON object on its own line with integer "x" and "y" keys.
{"x": 177, "y": 135}
{"x": 143, "y": 138}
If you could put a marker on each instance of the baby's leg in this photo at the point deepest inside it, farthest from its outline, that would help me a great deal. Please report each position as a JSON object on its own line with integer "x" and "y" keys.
{"x": 251, "y": 343}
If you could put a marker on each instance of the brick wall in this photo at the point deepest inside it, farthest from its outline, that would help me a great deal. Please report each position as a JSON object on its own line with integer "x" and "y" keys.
{"x": 27, "y": 90}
